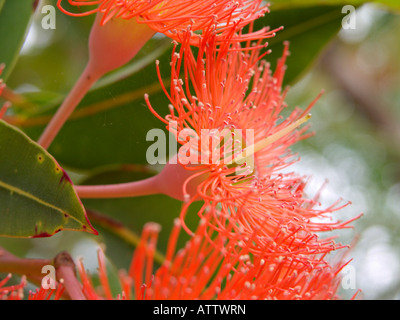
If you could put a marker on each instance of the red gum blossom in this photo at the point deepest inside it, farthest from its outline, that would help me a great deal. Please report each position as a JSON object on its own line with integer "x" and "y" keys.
{"x": 171, "y": 17}
{"x": 229, "y": 86}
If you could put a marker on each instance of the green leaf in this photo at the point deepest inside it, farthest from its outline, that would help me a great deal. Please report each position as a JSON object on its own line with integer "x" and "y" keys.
{"x": 37, "y": 198}
{"x": 15, "y": 18}
{"x": 308, "y": 30}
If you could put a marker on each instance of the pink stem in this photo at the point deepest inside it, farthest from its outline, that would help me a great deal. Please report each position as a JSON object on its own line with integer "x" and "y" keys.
{"x": 81, "y": 87}
{"x": 110, "y": 47}
{"x": 144, "y": 187}
{"x": 71, "y": 283}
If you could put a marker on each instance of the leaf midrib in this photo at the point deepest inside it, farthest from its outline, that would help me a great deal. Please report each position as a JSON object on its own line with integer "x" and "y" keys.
{"x": 30, "y": 196}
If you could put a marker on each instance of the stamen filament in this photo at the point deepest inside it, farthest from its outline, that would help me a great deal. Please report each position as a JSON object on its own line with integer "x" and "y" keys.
{"x": 249, "y": 151}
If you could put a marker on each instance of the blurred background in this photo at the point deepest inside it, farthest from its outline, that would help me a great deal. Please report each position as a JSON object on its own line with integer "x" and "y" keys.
{"x": 355, "y": 149}
{"x": 357, "y": 143}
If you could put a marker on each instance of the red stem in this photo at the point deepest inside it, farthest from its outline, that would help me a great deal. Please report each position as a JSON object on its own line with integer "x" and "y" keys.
{"x": 65, "y": 269}
{"x": 144, "y": 187}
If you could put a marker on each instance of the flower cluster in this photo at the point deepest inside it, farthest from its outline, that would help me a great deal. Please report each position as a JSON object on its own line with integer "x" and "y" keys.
{"x": 259, "y": 234}
{"x": 171, "y": 17}
{"x": 227, "y": 88}
{"x": 199, "y": 271}
{"x": 122, "y": 28}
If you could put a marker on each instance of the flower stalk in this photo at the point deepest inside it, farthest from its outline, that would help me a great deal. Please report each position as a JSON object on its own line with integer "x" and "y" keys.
{"x": 110, "y": 47}
{"x": 31, "y": 268}
{"x": 65, "y": 270}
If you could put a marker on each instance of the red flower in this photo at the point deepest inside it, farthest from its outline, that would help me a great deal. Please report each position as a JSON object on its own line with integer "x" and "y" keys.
{"x": 113, "y": 44}
{"x": 230, "y": 89}
{"x": 172, "y": 16}
{"x": 199, "y": 271}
